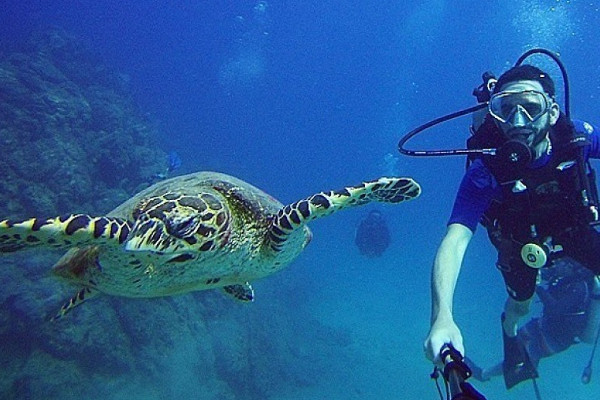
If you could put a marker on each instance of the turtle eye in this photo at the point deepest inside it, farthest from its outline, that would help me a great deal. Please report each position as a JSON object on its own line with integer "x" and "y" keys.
{"x": 136, "y": 213}
{"x": 141, "y": 217}
{"x": 182, "y": 227}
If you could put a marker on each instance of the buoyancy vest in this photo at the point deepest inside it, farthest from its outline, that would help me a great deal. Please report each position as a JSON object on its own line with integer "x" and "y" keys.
{"x": 549, "y": 199}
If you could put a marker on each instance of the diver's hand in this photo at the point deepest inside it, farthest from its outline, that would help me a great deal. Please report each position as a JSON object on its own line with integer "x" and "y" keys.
{"x": 442, "y": 332}
{"x": 596, "y": 285}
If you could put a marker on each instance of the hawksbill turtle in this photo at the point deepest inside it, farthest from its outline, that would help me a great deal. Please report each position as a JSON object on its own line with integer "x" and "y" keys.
{"x": 193, "y": 232}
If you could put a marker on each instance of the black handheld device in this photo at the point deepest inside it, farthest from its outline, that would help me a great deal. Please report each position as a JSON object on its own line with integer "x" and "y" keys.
{"x": 455, "y": 374}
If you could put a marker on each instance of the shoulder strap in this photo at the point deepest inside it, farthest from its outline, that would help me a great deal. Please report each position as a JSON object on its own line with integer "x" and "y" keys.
{"x": 567, "y": 138}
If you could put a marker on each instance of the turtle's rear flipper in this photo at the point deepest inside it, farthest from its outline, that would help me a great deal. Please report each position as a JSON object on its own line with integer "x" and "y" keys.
{"x": 81, "y": 296}
{"x": 62, "y": 232}
{"x": 295, "y": 215}
{"x": 243, "y": 293}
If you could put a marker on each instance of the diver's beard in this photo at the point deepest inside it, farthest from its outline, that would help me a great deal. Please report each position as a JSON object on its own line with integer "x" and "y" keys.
{"x": 541, "y": 145}
{"x": 531, "y": 136}
{"x": 525, "y": 135}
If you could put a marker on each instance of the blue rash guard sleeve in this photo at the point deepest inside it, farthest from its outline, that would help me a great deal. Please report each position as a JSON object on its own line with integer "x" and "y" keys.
{"x": 477, "y": 190}
{"x": 593, "y": 134}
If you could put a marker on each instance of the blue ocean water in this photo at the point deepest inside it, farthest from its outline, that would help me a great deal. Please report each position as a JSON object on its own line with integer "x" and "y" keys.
{"x": 298, "y": 97}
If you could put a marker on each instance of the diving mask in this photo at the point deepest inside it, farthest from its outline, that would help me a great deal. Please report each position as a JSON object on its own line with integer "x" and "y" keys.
{"x": 530, "y": 103}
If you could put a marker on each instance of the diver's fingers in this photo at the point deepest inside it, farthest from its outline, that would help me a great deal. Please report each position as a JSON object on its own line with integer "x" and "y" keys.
{"x": 457, "y": 342}
{"x": 596, "y": 282}
{"x": 427, "y": 350}
{"x": 436, "y": 349}
{"x": 432, "y": 347}
{"x": 438, "y": 338}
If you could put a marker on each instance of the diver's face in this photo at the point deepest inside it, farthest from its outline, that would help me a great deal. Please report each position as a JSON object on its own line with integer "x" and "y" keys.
{"x": 528, "y": 114}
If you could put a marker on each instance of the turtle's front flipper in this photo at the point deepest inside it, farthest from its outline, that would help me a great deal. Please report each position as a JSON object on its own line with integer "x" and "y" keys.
{"x": 295, "y": 215}
{"x": 81, "y": 296}
{"x": 62, "y": 232}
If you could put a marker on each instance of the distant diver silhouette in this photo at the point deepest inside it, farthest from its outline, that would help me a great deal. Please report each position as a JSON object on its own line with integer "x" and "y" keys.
{"x": 372, "y": 235}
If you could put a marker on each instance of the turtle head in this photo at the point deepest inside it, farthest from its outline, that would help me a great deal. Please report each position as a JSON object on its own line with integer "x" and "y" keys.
{"x": 175, "y": 223}
{"x": 161, "y": 235}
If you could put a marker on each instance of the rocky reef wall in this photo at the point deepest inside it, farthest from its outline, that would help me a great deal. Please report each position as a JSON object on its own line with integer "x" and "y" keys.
{"x": 71, "y": 137}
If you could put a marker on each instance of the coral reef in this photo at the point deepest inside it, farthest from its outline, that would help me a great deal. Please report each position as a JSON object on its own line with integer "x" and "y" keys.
{"x": 70, "y": 135}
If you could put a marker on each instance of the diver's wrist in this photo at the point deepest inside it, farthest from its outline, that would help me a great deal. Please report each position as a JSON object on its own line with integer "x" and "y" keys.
{"x": 442, "y": 317}
{"x": 595, "y": 292}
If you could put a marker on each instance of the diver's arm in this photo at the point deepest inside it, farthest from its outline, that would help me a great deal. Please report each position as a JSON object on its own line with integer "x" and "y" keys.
{"x": 446, "y": 268}
{"x": 593, "y": 313}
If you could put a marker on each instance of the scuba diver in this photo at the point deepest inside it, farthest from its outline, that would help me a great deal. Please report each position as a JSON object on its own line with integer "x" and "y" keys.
{"x": 570, "y": 296}
{"x": 529, "y": 182}
{"x": 173, "y": 163}
{"x": 372, "y": 235}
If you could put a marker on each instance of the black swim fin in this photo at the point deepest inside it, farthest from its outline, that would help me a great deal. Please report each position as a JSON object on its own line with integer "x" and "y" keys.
{"x": 517, "y": 366}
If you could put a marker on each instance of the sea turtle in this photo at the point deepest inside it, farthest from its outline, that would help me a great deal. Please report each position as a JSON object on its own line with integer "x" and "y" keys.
{"x": 193, "y": 232}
